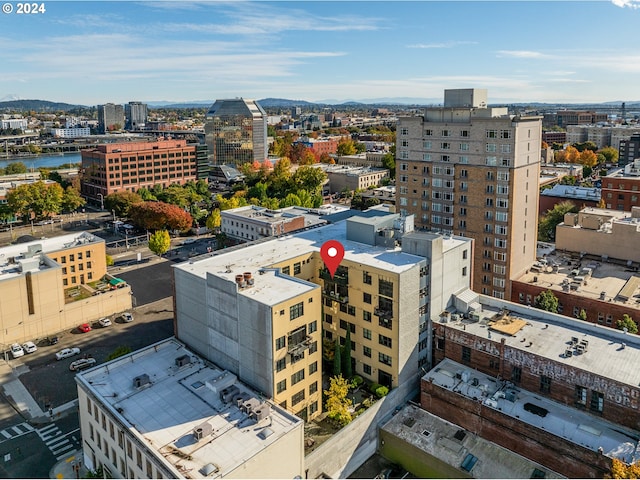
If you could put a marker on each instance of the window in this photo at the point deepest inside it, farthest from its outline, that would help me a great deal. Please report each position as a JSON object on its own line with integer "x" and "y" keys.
{"x": 385, "y": 288}
{"x": 297, "y": 377}
{"x": 516, "y": 374}
{"x": 492, "y": 134}
{"x": 281, "y": 364}
{"x": 296, "y": 311}
{"x": 149, "y": 470}
{"x": 296, "y": 268}
{"x": 313, "y": 326}
{"x": 366, "y": 316}
{"x": 597, "y": 401}
{"x": 313, "y": 368}
{"x": 343, "y": 324}
{"x": 313, "y": 348}
{"x": 139, "y": 458}
{"x": 297, "y": 398}
{"x": 581, "y": 396}
{"x": 366, "y": 297}
{"x": 280, "y": 343}
{"x": 328, "y": 318}
{"x": 491, "y": 147}
{"x": 466, "y": 354}
{"x": 386, "y": 359}
{"x": 545, "y": 384}
{"x": 382, "y": 340}
{"x": 351, "y": 310}
{"x": 428, "y": 132}
{"x": 366, "y": 278}
{"x": 366, "y": 333}
{"x": 313, "y": 408}
{"x": 366, "y": 369}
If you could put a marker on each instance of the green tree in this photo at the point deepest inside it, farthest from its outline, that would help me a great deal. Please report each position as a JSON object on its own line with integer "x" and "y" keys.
{"x": 338, "y": 402}
{"x": 35, "y": 200}
{"x": 346, "y": 147}
{"x": 214, "y": 220}
{"x": 309, "y": 178}
{"x": 15, "y": 168}
{"x": 290, "y": 200}
{"x": 118, "y": 352}
{"x": 71, "y": 199}
{"x": 159, "y": 242}
{"x": 337, "y": 360}
{"x": 548, "y": 223}
{"x": 389, "y": 161}
{"x": 546, "y": 301}
{"x": 628, "y": 323}
{"x": 610, "y": 154}
{"x": 346, "y": 358}
{"x": 146, "y": 194}
{"x": 121, "y": 202}
{"x": 109, "y": 260}
{"x": 582, "y": 315}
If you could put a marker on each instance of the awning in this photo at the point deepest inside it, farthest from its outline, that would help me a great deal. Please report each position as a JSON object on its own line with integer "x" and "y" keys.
{"x": 116, "y": 281}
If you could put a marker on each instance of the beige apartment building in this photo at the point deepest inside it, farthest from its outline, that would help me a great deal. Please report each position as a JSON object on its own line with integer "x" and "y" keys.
{"x": 49, "y": 285}
{"x": 473, "y": 170}
{"x": 164, "y": 412}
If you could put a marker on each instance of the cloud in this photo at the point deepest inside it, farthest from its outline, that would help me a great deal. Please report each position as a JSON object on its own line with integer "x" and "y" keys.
{"x": 626, "y": 3}
{"x": 449, "y": 44}
{"x": 521, "y": 54}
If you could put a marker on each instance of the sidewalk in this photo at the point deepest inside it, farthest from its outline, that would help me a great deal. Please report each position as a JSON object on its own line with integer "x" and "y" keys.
{"x": 70, "y": 467}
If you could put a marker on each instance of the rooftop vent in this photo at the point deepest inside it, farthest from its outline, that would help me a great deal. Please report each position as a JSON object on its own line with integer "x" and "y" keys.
{"x": 261, "y": 412}
{"x": 208, "y": 469}
{"x": 183, "y": 360}
{"x": 227, "y": 394}
{"x": 203, "y": 430}
{"x": 141, "y": 381}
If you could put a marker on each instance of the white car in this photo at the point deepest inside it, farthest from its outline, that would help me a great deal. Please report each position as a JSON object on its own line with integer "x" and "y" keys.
{"x": 82, "y": 364}
{"x": 127, "y": 317}
{"x": 17, "y": 350}
{"x": 188, "y": 241}
{"x": 67, "y": 352}
{"x": 104, "y": 322}
{"x": 29, "y": 347}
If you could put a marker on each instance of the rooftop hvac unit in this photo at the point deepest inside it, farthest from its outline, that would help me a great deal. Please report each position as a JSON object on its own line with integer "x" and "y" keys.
{"x": 183, "y": 360}
{"x": 262, "y": 411}
{"x": 141, "y": 381}
{"x": 227, "y": 394}
{"x": 250, "y": 406}
{"x": 203, "y": 430}
{"x": 455, "y": 317}
{"x": 241, "y": 398}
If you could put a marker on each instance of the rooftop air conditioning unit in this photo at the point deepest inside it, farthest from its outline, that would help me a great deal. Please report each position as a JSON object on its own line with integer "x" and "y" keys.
{"x": 183, "y": 360}
{"x": 141, "y": 381}
{"x": 227, "y": 394}
{"x": 262, "y": 411}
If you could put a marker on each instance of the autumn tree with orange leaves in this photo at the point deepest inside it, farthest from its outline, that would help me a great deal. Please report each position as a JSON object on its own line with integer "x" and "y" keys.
{"x": 160, "y": 215}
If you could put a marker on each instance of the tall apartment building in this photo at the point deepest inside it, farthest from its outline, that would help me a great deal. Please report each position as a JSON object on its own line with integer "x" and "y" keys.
{"x": 110, "y": 117}
{"x": 136, "y": 115}
{"x": 262, "y": 310}
{"x": 113, "y": 167}
{"x": 473, "y": 170}
{"x": 629, "y": 150}
{"x": 621, "y": 189}
{"x": 236, "y": 132}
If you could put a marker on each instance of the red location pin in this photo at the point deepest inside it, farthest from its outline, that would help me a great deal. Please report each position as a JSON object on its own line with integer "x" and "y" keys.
{"x": 332, "y": 253}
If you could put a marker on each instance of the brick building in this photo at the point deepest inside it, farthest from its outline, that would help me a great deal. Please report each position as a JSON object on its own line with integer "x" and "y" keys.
{"x": 113, "y": 167}
{"x": 558, "y": 391}
{"x": 580, "y": 196}
{"x": 621, "y": 189}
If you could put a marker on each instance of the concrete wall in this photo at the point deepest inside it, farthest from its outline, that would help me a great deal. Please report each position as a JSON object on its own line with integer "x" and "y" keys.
{"x": 349, "y": 448}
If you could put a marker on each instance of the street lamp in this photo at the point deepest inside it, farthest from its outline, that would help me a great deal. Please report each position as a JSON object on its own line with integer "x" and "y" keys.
{"x": 101, "y": 201}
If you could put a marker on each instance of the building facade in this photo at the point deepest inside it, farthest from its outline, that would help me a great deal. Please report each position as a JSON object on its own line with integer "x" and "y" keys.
{"x": 114, "y": 167}
{"x": 253, "y": 222}
{"x": 629, "y": 150}
{"x": 621, "y": 189}
{"x": 162, "y": 412}
{"x": 474, "y": 171}
{"x": 236, "y": 132}
{"x": 601, "y": 135}
{"x": 579, "y": 117}
{"x": 75, "y": 132}
{"x": 136, "y": 115}
{"x": 351, "y": 178}
{"x": 48, "y": 286}
{"x": 110, "y": 117}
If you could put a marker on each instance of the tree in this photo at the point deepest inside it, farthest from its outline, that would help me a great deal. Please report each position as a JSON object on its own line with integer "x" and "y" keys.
{"x": 309, "y": 178}
{"x": 337, "y": 360}
{"x": 628, "y": 323}
{"x": 610, "y": 154}
{"x": 389, "y": 161}
{"x": 159, "y": 216}
{"x": 546, "y": 301}
{"x": 121, "y": 202}
{"x": 548, "y": 223}
{"x": 35, "y": 200}
{"x": 619, "y": 469}
{"x": 346, "y": 358}
{"x": 159, "y": 242}
{"x": 71, "y": 199}
{"x": 346, "y": 147}
{"x": 214, "y": 220}
{"x": 118, "y": 352}
{"x": 582, "y": 315}
{"x": 15, "y": 168}
{"x": 338, "y": 403}
{"x": 588, "y": 158}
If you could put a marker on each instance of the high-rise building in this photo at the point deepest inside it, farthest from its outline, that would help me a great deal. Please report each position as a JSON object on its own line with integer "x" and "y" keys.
{"x": 473, "y": 170}
{"x": 236, "y": 132}
{"x": 629, "y": 150}
{"x": 110, "y": 117}
{"x": 136, "y": 115}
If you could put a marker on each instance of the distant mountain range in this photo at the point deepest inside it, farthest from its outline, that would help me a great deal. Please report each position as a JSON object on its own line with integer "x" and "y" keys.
{"x": 47, "y": 106}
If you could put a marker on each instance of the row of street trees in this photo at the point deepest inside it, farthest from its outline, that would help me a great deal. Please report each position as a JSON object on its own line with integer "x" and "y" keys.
{"x": 40, "y": 200}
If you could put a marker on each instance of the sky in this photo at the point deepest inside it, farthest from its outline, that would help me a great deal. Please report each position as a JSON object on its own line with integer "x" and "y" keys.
{"x": 93, "y": 52}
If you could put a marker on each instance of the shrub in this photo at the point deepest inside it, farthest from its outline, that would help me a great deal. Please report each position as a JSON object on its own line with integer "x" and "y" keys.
{"x": 356, "y": 381}
{"x": 373, "y": 387}
{"x": 367, "y": 402}
{"x": 381, "y": 391}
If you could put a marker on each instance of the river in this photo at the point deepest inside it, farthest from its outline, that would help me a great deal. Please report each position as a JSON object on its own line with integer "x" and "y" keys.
{"x": 33, "y": 163}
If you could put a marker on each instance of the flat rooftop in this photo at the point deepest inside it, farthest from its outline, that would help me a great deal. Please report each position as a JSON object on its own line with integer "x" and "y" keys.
{"x": 586, "y": 276}
{"x": 165, "y": 412}
{"x": 447, "y": 442}
{"x": 11, "y": 256}
{"x": 311, "y": 215}
{"x": 572, "y": 424}
{"x": 272, "y": 288}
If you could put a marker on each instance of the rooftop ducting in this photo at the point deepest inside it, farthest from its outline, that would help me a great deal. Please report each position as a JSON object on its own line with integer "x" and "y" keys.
{"x": 240, "y": 281}
{"x": 183, "y": 360}
{"x": 141, "y": 381}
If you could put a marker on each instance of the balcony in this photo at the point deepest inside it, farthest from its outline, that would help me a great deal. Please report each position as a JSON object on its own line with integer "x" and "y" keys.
{"x": 335, "y": 296}
{"x": 297, "y": 348}
{"x": 379, "y": 312}
{"x": 339, "y": 278}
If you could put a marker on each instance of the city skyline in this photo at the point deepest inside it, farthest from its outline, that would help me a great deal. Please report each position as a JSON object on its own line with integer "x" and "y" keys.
{"x": 90, "y": 53}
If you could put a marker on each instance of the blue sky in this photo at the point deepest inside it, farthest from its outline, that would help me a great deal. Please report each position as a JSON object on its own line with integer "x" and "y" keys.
{"x": 91, "y": 52}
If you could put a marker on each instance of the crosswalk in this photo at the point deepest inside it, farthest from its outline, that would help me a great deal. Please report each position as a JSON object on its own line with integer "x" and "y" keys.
{"x": 15, "y": 431}
{"x": 58, "y": 443}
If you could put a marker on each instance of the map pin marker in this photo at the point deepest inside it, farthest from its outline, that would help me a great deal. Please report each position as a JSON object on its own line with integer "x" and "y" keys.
{"x": 332, "y": 253}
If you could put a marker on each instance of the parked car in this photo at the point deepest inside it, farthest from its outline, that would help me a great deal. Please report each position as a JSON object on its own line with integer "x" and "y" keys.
{"x": 67, "y": 352}
{"x": 82, "y": 363}
{"x": 84, "y": 328}
{"x": 51, "y": 340}
{"x": 17, "y": 350}
{"x": 188, "y": 241}
{"x": 29, "y": 347}
{"x": 104, "y": 322}
{"x": 126, "y": 317}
